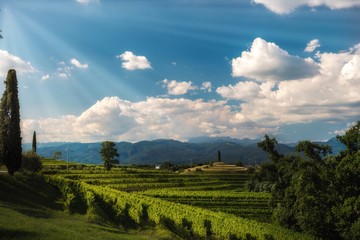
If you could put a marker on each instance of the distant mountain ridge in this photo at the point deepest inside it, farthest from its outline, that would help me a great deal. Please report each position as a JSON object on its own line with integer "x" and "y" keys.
{"x": 196, "y": 150}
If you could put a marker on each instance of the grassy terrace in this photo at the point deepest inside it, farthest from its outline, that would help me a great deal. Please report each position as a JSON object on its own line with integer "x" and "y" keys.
{"x": 33, "y": 209}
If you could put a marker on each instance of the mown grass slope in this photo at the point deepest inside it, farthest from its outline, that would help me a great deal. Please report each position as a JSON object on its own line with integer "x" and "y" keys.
{"x": 32, "y": 209}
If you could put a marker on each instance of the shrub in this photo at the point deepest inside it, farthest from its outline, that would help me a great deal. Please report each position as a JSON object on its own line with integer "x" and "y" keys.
{"x": 31, "y": 162}
{"x": 239, "y": 164}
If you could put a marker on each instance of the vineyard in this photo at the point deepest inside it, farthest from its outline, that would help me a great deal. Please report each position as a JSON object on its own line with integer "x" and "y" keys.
{"x": 199, "y": 205}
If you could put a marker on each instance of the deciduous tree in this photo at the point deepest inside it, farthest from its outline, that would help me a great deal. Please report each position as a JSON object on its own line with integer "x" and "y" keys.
{"x": 109, "y": 154}
{"x": 313, "y": 192}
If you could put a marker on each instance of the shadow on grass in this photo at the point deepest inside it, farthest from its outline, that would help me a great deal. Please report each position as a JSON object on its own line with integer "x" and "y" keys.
{"x": 35, "y": 213}
{"x": 109, "y": 229}
{"x": 29, "y": 191}
{"x": 16, "y": 234}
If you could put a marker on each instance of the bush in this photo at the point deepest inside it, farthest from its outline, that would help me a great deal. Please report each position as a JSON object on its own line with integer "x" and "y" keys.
{"x": 251, "y": 170}
{"x": 31, "y": 162}
{"x": 239, "y": 164}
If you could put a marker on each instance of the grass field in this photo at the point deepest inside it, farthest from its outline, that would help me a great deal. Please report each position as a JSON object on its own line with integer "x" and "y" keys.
{"x": 32, "y": 209}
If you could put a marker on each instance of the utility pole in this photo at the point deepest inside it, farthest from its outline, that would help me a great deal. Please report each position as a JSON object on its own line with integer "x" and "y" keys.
{"x": 89, "y": 153}
{"x": 67, "y": 157}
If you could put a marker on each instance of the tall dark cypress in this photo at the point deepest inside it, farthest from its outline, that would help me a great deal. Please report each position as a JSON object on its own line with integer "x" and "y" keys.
{"x": 10, "y": 138}
{"x": 34, "y": 143}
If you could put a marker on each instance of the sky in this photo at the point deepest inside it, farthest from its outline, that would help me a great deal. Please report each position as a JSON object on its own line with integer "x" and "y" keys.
{"x": 132, "y": 70}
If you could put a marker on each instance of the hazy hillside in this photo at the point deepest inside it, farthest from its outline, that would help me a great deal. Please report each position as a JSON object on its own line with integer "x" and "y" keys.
{"x": 199, "y": 150}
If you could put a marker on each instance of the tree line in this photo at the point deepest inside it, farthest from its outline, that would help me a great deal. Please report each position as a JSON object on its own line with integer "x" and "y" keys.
{"x": 313, "y": 191}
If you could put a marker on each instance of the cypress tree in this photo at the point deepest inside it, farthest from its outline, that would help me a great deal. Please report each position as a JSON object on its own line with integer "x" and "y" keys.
{"x": 10, "y": 135}
{"x": 34, "y": 143}
{"x": 219, "y": 156}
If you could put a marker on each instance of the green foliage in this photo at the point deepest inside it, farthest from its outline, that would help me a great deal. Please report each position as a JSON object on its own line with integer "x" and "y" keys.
{"x": 31, "y": 162}
{"x": 109, "y": 154}
{"x": 313, "y": 150}
{"x": 191, "y": 222}
{"x": 10, "y": 135}
{"x": 57, "y": 154}
{"x": 239, "y": 164}
{"x": 316, "y": 194}
{"x": 268, "y": 145}
{"x": 351, "y": 139}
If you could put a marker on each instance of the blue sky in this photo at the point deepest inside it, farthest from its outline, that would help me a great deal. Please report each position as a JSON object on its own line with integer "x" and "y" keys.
{"x": 94, "y": 70}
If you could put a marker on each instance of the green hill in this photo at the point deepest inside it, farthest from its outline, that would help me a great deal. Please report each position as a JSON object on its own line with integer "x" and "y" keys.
{"x": 32, "y": 209}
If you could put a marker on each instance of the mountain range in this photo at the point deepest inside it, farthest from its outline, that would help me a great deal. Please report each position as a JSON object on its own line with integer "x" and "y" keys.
{"x": 195, "y": 151}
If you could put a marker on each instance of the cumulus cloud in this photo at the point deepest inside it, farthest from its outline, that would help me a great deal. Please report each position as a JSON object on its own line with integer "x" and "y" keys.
{"x": 177, "y": 88}
{"x": 116, "y": 119}
{"x": 78, "y": 64}
{"x": 312, "y": 45}
{"x": 286, "y": 6}
{"x": 9, "y": 61}
{"x": 241, "y": 91}
{"x": 350, "y": 70}
{"x": 267, "y": 61}
{"x": 133, "y": 62}
{"x": 333, "y": 93}
{"x": 45, "y": 77}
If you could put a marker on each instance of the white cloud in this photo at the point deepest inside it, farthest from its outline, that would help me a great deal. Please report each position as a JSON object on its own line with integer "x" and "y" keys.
{"x": 312, "y": 45}
{"x": 350, "y": 70}
{"x": 177, "y": 88}
{"x": 343, "y": 131}
{"x": 116, "y": 119}
{"x": 133, "y": 62}
{"x": 78, "y": 64}
{"x": 85, "y": 2}
{"x": 64, "y": 71}
{"x": 267, "y": 61}
{"x": 9, "y": 61}
{"x": 333, "y": 93}
{"x": 45, "y": 77}
{"x": 241, "y": 91}
{"x": 206, "y": 86}
{"x": 287, "y": 6}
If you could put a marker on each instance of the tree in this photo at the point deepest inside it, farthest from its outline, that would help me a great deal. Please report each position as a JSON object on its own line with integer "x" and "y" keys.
{"x": 10, "y": 134}
{"x": 31, "y": 162}
{"x": 219, "y": 156}
{"x": 347, "y": 210}
{"x": 109, "y": 154}
{"x": 351, "y": 139}
{"x": 57, "y": 154}
{"x": 313, "y": 192}
{"x": 268, "y": 145}
{"x": 34, "y": 143}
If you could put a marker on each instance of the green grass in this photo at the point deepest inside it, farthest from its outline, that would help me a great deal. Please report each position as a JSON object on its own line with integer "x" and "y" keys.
{"x": 32, "y": 209}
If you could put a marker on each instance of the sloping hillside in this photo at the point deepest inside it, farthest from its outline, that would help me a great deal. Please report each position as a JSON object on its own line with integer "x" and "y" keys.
{"x": 160, "y": 151}
{"x": 31, "y": 209}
